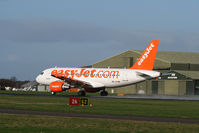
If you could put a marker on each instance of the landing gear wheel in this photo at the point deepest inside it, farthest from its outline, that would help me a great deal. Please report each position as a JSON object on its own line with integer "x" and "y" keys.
{"x": 82, "y": 93}
{"x": 104, "y": 93}
{"x": 53, "y": 93}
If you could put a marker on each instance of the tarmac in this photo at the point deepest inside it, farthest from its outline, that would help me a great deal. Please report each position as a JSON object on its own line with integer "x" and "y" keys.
{"x": 144, "y": 97}
{"x": 97, "y": 116}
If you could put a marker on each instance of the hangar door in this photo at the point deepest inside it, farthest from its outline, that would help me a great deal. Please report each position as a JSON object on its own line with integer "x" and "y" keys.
{"x": 189, "y": 88}
{"x": 154, "y": 87}
{"x": 171, "y": 87}
{"x": 196, "y": 88}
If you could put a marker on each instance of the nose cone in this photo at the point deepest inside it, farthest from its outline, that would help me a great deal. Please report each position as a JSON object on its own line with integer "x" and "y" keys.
{"x": 38, "y": 79}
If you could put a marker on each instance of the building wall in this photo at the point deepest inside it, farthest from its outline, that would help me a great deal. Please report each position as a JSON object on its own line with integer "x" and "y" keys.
{"x": 171, "y": 87}
{"x": 182, "y": 87}
{"x": 44, "y": 88}
{"x": 190, "y": 87}
{"x": 126, "y": 90}
{"x": 160, "y": 87}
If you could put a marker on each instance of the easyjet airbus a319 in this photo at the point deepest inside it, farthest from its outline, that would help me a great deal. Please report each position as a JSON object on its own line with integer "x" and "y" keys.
{"x": 97, "y": 79}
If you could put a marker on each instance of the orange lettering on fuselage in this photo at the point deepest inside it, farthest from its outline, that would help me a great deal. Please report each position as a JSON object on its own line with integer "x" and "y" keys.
{"x": 54, "y": 73}
{"x": 73, "y": 73}
{"x": 85, "y": 73}
{"x": 92, "y": 73}
{"x": 60, "y": 73}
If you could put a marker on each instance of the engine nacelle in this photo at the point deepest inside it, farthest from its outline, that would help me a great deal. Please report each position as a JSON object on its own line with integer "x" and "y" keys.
{"x": 92, "y": 89}
{"x": 58, "y": 86}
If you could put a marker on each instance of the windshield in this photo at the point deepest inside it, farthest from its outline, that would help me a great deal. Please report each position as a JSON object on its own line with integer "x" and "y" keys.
{"x": 41, "y": 73}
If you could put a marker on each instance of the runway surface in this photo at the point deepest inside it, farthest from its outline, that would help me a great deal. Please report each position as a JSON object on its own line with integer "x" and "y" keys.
{"x": 97, "y": 116}
{"x": 144, "y": 97}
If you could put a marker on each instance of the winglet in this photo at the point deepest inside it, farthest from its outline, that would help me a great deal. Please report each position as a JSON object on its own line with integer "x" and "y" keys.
{"x": 147, "y": 59}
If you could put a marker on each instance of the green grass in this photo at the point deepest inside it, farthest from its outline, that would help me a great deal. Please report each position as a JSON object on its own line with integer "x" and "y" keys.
{"x": 154, "y": 108}
{"x": 47, "y": 124}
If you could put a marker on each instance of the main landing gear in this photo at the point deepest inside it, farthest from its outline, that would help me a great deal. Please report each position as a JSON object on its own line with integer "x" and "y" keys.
{"x": 81, "y": 93}
{"x": 104, "y": 93}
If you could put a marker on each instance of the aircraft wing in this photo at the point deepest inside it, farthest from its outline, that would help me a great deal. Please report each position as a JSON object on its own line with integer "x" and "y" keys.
{"x": 79, "y": 83}
{"x": 73, "y": 81}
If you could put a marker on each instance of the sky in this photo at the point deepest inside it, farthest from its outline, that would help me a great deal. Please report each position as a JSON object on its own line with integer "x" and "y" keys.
{"x": 38, "y": 34}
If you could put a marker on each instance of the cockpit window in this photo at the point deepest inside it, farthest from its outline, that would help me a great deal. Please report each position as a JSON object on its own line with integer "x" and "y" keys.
{"x": 41, "y": 73}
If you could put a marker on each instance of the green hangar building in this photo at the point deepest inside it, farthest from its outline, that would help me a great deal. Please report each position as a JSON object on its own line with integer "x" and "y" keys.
{"x": 183, "y": 69}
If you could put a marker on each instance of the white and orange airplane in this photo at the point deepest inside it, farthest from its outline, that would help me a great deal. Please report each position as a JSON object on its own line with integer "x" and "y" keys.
{"x": 97, "y": 79}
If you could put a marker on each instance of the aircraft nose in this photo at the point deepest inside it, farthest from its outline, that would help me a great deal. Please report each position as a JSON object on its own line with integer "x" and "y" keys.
{"x": 38, "y": 79}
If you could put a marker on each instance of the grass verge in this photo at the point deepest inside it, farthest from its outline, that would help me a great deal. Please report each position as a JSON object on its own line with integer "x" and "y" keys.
{"x": 153, "y": 108}
{"x": 45, "y": 124}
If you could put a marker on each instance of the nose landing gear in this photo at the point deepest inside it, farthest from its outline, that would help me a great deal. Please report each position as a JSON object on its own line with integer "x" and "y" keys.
{"x": 53, "y": 93}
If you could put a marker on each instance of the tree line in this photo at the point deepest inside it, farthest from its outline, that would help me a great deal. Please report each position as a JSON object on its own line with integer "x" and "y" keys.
{"x": 12, "y": 82}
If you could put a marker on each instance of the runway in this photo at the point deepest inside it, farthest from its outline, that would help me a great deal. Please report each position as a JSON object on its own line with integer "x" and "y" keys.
{"x": 144, "y": 97}
{"x": 97, "y": 116}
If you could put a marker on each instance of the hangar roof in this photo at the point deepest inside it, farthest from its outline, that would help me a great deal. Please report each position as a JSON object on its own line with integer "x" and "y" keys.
{"x": 164, "y": 60}
{"x": 176, "y": 57}
{"x": 190, "y": 74}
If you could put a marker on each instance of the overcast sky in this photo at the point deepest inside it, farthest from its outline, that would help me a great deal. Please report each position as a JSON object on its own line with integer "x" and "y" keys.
{"x": 37, "y": 34}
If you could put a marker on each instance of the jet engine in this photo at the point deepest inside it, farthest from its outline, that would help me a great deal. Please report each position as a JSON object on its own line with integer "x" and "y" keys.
{"x": 59, "y": 86}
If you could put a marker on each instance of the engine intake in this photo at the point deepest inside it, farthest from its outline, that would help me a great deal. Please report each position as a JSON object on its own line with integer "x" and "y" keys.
{"x": 58, "y": 86}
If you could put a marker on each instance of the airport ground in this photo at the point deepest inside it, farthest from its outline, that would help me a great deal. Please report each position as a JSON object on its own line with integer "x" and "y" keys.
{"x": 165, "y": 116}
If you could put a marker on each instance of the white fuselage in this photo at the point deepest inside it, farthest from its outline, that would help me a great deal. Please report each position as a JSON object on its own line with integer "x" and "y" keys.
{"x": 97, "y": 77}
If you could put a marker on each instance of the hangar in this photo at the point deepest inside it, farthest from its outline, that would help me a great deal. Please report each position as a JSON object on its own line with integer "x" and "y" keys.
{"x": 183, "y": 69}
